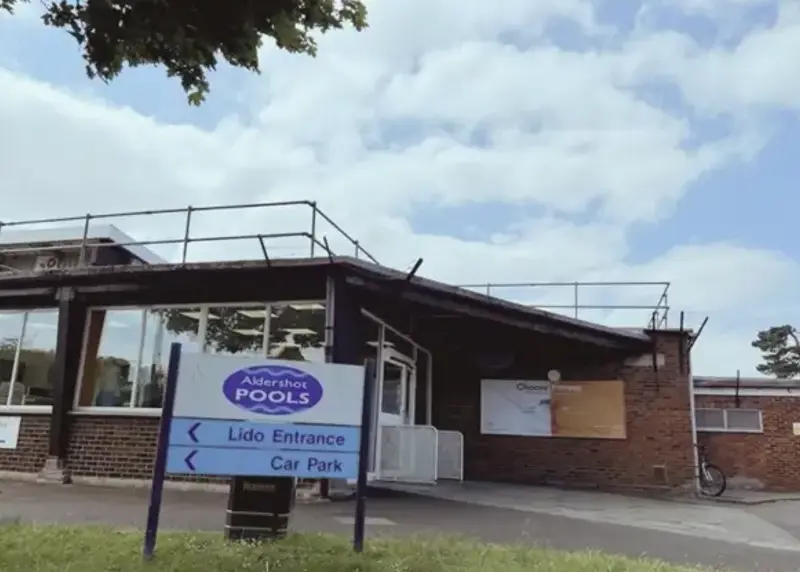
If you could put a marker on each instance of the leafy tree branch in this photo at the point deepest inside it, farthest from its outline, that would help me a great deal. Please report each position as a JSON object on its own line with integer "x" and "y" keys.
{"x": 190, "y": 37}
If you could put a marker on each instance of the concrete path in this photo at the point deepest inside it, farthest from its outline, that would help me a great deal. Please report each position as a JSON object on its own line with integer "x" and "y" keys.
{"x": 700, "y": 520}
{"x": 401, "y": 516}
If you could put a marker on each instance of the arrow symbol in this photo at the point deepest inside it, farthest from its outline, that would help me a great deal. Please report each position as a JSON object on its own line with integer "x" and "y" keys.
{"x": 191, "y": 431}
{"x": 188, "y": 460}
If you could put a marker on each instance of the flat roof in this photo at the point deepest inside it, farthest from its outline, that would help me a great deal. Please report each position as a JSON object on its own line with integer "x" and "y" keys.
{"x": 631, "y": 334}
{"x": 729, "y": 382}
{"x": 106, "y": 232}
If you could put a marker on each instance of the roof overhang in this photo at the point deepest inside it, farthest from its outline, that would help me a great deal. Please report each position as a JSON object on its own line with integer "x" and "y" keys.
{"x": 358, "y": 273}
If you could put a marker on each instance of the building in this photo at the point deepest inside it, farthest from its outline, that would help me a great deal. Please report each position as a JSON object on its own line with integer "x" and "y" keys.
{"x": 470, "y": 385}
{"x": 751, "y": 430}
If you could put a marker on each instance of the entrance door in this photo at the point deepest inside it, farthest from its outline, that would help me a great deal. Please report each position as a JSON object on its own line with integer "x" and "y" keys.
{"x": 405, "y": 451}
{"x": 397, "y": 389}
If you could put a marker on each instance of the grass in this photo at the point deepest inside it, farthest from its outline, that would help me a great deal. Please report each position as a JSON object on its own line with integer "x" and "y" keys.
{"x": 26, "y": 548}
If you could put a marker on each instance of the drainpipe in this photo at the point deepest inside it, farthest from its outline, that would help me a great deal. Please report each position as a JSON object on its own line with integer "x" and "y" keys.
{"x": 695, "y": 460}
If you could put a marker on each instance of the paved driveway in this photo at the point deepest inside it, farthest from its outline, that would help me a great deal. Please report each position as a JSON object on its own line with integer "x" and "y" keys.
{"x": 391, "y": 516}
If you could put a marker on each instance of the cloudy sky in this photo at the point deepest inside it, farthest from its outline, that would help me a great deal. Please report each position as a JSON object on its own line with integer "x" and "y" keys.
{"x": 508, "y": 141}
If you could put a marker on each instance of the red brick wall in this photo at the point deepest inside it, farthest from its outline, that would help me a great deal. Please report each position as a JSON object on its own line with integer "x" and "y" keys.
{"x": 32, "y": 446}
{"x": 658, "y": 427}
{"x": 768, "y": 460}
{"x": 116, "y": 447}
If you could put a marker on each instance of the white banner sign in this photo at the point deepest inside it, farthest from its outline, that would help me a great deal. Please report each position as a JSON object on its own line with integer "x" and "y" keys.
{"x": 515, "y": 407}
{"x": 9, "y": 432}
{"x": 268, "y": 390}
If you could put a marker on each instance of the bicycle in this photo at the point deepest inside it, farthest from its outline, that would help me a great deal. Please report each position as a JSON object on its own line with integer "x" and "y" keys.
{"x": 712, "y": 480}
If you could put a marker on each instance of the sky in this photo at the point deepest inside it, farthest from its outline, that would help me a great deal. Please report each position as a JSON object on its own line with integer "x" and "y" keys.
{"x": 503, "y": 142}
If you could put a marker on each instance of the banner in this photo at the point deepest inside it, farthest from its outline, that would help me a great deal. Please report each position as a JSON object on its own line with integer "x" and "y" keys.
{"x": 514, "y": 407}
{"x": 593, "y": 409}
{"x": 582, "y": 409}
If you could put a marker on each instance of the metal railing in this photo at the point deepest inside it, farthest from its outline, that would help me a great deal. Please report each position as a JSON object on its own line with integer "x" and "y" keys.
{"x": 658, "y": 313}
{"x": 408, "y": 453}
{"x": 317, "y": 244}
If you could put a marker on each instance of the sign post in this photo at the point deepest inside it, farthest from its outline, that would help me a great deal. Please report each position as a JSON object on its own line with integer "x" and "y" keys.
{"x": 159, "y": 466}
{"x": 264, "y": 423}
{"x": 363, "y": 457}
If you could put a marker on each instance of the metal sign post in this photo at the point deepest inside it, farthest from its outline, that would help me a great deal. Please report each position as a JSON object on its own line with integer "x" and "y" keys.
{"x": 160, "y": 464}
{"x": 363, "y": 456}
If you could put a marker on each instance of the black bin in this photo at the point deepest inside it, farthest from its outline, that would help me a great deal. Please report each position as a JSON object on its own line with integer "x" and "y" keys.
{"x": 259, "y": 508}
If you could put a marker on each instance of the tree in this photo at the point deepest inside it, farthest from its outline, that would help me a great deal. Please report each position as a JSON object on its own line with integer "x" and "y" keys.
{"x": 780, "y": 349}
{"x": 188, "y": 37}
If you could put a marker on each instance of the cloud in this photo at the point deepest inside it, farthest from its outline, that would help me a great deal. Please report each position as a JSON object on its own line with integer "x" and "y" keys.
{"x": 439, "y": 105}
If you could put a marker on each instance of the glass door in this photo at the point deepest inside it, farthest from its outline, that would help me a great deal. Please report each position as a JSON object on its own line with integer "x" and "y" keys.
{"x": 394, "y": 393}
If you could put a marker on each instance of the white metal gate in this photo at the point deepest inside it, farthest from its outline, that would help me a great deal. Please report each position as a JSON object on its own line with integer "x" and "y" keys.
{"x": 451, "y": 455}
{"x": 408, "y": 453}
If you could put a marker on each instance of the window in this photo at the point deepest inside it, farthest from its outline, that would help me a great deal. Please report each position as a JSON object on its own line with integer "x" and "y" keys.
{"x": 392, "y": 396}
{"x": 166, "y": 326}
{"x": 297, "y": 332}
{"x": 237, "y": 330}
{"x": 729, "y": 420}
{"x": 126, "y": 350}
{"x": 27, "y": 354}
{"x": 126, "y": 353}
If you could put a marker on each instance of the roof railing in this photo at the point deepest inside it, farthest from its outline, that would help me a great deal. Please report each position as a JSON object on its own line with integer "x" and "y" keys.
{"x": 658, "y": 313}
{"x": 317, "y": 243}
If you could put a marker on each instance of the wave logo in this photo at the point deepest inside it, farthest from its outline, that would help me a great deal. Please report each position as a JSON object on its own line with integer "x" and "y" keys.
{"x": 272, "y": 390}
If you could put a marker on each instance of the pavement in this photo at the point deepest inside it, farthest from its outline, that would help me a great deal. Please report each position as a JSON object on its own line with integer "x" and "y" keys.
{"x": 564, "y": 524}
{"x": 691, "y": 518}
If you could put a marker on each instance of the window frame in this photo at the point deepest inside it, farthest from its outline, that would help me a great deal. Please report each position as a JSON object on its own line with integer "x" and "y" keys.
{"x": 25, "y": 313}
{"x": 726, "y": 425}
{"x": 204, "y": 307}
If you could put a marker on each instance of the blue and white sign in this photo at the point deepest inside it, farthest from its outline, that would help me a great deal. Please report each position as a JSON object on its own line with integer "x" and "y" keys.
{"x": 272, "y": 389}
{"x": 264, "y": 390}
{"x": 241, "y": 416}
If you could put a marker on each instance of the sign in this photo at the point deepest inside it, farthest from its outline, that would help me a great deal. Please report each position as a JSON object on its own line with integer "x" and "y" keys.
{"x": 218, "y": 447}
{"x": 589, "y": 409}
{"x": 796, "y": 429}
{"x": 259, "y": 417}
{"x": 9, "y": 431}
{"x": 264, "y": 423}
{"x": 577, "y": 409}
{"x": 515, "y": 407}
{"x": 53, "y": 262}
{"x": 263, "y": 390}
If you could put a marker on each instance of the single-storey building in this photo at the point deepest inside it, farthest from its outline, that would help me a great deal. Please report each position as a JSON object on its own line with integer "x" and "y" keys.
{"x": 470, "y": 386}
{"x": 751, "y": 430}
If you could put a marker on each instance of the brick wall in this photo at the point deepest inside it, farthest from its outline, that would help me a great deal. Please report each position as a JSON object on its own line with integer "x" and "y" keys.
{"x": 32, "y": 446}
{"x": 116, "y": 447}
{"x": 768, "y": 460}
{"x": 658, "y": 426}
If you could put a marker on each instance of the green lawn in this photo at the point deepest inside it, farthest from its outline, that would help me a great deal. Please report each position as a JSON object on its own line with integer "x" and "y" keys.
{"x": 89, "y": 549}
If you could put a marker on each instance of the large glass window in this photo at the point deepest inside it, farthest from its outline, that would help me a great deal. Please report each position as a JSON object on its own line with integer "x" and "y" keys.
{"x": 27, "y": 354}
{"x": 237, "y": 330}
{"x": 126, "y": 353}
{"x": 127, "y": 350}
{"x": 297, "y": 332}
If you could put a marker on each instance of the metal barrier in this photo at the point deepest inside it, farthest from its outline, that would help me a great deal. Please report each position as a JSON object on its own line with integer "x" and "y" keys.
{"x": 451, "y": 455}
{"x": 657, "y": 314}
{"x": 408, "y": 453}
{"x": 318, "y": 245}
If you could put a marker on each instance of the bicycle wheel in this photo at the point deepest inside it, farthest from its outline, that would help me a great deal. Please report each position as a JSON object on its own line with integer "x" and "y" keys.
{"x": 712, "y": 481}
